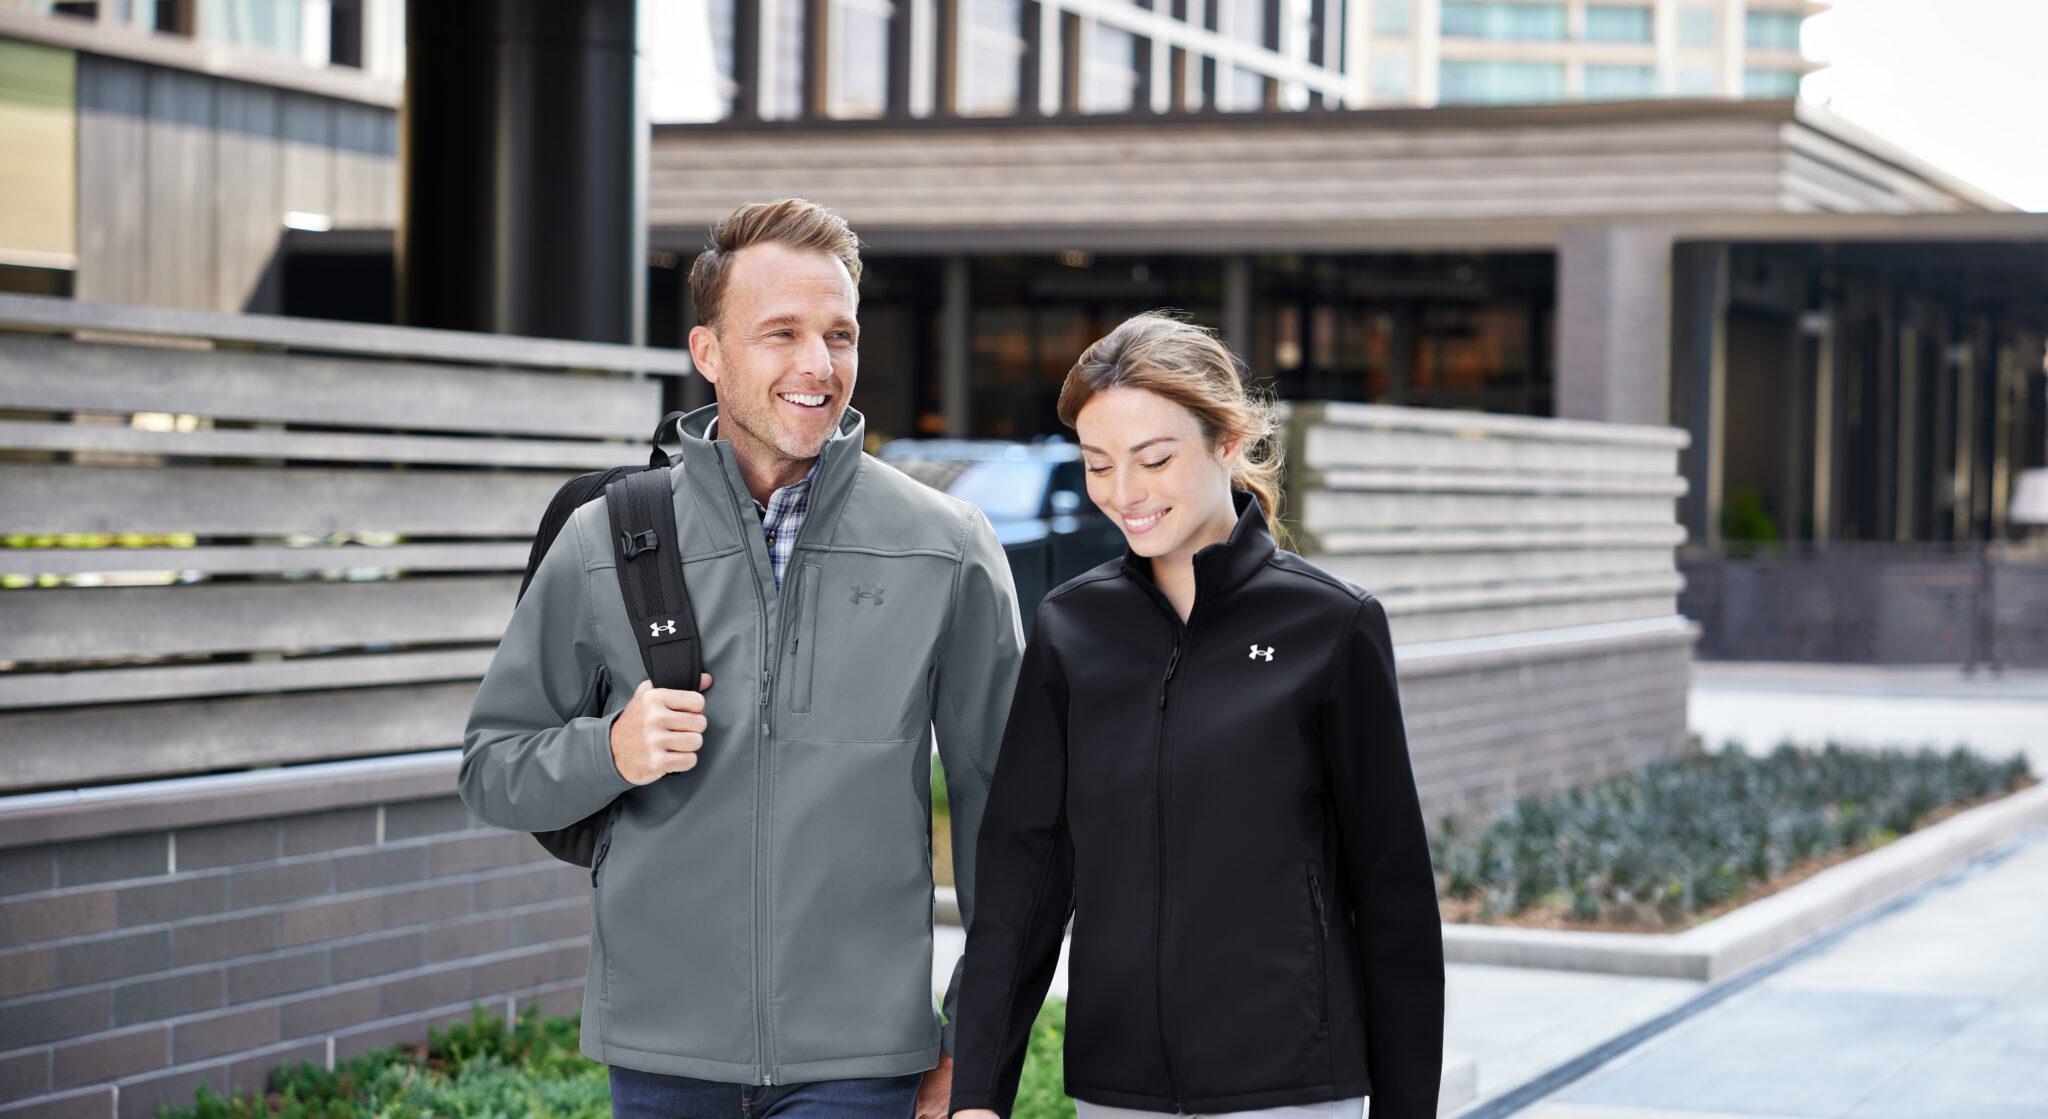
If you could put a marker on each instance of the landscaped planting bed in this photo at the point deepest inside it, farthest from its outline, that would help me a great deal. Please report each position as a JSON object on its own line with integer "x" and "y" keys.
{"x": 479, "y": 1070}
{"x": 1681, "y": 841}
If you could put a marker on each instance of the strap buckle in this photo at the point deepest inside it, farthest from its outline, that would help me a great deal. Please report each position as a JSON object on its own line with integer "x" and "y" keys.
{"x": 634, "y": 543}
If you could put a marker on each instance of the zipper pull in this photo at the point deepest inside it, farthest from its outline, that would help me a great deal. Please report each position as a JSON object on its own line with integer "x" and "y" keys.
{"x": 1172, "y": 662}
{"x": 767, "y": 684}
{"x": 1315, "y": 893}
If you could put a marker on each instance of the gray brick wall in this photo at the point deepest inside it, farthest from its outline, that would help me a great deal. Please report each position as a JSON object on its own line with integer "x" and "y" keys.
{"x": 1481, "y": 738}
{"x": 134, "y": 968}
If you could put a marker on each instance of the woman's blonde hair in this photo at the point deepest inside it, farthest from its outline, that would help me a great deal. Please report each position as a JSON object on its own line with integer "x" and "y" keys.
{"x": 1175, "y": 359}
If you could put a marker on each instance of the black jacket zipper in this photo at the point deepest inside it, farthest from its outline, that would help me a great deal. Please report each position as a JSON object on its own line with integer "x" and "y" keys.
{"x": 1315, "y": 897}
{"x": 1180, "y": 639}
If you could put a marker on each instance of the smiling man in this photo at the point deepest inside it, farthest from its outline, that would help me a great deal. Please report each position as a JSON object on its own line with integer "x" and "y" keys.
{"x": 761, "y": 926}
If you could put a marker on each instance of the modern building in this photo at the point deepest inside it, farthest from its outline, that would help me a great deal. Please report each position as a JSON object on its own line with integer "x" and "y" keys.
{"x": 1852, "y": 336}
{"x": 852, "y": 59}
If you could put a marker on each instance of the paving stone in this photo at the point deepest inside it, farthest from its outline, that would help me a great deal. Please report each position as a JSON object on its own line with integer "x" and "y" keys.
{"x": 330, "y": 831}
{"x": 277, "y": 975}
{"x": 52, "y": 916}
{"x": 220, "y": 1034}
{"x": 327, "y": 1012}
{"x": 24, "y": 1074}
{"x": 26, "y": 971}
{"x": 331, "y": 920}
{"x": 26, "y": 1022}
{"x": 411, "y": 819}
{"x": 224, "y": 939}
{"x": 178, "y": 898}
{"x": 112, "y": 957}
{"x": 167, "y": 996}
{"x": 284, "y": 882}
{"x": 379, "y": 867}
{"x": 25, "y": 870}
{"x": 91, "y": 861}
{"x": 111, "y": 1056}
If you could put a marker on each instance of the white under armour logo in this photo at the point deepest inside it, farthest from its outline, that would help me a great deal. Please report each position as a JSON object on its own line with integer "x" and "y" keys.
{"x": 1257, "y": 652}
{"x": 660, "y": 628}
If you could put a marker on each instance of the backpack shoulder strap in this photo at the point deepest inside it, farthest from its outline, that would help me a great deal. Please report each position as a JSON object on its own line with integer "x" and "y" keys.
{"x": 650, "y": 568}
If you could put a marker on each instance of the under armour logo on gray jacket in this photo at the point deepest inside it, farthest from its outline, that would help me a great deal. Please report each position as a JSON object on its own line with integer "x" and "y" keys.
{"x": 766, "y": 917}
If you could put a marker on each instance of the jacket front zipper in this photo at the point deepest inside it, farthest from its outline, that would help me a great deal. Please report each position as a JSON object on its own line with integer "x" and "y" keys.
{"x": 1159, "y": 853}
{"x": 768, "y": 649}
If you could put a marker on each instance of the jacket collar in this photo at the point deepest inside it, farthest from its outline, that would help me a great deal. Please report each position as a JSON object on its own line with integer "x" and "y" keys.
{"x": 831, "y": 477}
{"x": 1220, "y": 568}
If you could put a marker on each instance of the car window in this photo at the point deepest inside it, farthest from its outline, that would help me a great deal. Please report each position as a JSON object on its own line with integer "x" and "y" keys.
{"x": 1004, "y": 490}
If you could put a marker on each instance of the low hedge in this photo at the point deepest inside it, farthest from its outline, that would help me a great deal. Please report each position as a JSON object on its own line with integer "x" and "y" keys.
{"x": 478, "y": 1069}
{"x": 1665, "y": 844}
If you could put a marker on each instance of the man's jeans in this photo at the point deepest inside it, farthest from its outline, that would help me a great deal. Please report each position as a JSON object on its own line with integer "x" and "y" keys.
{"x": 651, "y": 1095}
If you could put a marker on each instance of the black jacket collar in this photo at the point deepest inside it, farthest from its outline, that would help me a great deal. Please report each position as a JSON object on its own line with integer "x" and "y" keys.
{"x": 1221, "y": 568}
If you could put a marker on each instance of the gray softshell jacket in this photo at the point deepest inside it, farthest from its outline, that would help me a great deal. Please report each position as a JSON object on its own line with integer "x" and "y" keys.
{"x": 766, "y": 917}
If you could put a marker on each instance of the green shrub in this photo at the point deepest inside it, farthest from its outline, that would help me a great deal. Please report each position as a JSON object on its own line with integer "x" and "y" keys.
{"x": 477, "y": 1069}
{"x": 1677, "y": 838}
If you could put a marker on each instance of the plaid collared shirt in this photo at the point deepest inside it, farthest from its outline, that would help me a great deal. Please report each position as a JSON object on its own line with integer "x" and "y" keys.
{"x": 782, "y": 517}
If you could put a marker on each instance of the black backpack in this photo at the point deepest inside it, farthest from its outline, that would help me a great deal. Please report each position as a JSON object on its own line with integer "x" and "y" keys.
{"x": 643, "y": 524}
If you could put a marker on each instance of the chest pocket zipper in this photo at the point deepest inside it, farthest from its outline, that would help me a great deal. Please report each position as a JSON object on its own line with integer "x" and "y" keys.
{"x": 803, "y": 645}
{"x": 1322, "y": 968}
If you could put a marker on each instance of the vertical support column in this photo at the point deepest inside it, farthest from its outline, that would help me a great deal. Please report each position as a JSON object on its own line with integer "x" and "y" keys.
{"x": 1270, "y": 36}
{"x": 946, "y": 68}
{"x": 1031, "y": 67}
{"x": 1734, "y": 41}
{"x": 1212, "y": 79}
{"x": 816, "y": 83}
{"x": 902, "y": 25}
{"x": 1820, "y": 326}
{"x": 1966, "y": 436}
{"x": 1700, "y": 374}
{"x": 1357, "y": 53}
{"x": 524, "y": 169}
{"x": 1904, "y": 518}
{"x": 1237, "y": 305}
{"x": 1072, "y": 63}
{"x": 1614, "y": 324}
{"x": 956, "y": 347}
{"x": 1142, "y": 63}
{"x": 746, "y": 61}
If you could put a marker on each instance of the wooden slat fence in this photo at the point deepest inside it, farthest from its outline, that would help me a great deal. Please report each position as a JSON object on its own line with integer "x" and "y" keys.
{"x": 236, "y": 541}
{"x": 1470, "y": 526}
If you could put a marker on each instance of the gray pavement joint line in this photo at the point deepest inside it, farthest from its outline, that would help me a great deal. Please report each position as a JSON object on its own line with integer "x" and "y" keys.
{"x": 1542, "y": 1086}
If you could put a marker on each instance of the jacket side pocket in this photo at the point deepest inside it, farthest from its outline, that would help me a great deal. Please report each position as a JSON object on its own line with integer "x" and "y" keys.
{"x": 1321, "y": 970}
{"x": 804, "y": 646}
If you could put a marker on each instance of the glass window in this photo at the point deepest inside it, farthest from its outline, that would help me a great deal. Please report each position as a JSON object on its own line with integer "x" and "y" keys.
{"x": 273, "y": 24}
{"x": 1699, "y": 27}
{"x": 860, "y": 58}
{"x": 1500, "y": 83}
{"x": 1770, "y": 84}
{"x": 1613, "y": 23}
{"x": 990, "y": 65}
{"x": 1773, "y": 31}
{"x": 1390, "y": 17}
{"x": 1392, "y": 74}
{"x": 1698, "y": 81}
{"x": 1478, "y": 19}
{"x": 1620, "y": 83}
{"x": 1111, "y": 71}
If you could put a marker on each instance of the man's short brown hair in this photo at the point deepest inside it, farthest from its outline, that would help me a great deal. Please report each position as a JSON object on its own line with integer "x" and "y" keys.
{"x": 795, "y": 222}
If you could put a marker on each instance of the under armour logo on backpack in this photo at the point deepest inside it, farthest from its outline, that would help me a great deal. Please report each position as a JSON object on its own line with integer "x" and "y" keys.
{"x": 660, "y": 628}
{"x": 867, "y": 594}
{"x": 1258, "y": 653}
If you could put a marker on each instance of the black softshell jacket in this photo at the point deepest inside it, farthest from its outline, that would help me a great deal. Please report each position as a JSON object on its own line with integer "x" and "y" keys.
{"x": 1227, "y": 811}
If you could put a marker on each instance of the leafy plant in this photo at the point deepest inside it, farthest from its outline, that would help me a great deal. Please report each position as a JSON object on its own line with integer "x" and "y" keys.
{"x": 1677, "y": 838}
{"x": 478, "y": 1069}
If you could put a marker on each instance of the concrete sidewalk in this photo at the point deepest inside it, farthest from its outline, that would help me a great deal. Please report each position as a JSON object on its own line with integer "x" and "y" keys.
{"x": 1939, "y": 1011}
{"x": 1761, "y": 703}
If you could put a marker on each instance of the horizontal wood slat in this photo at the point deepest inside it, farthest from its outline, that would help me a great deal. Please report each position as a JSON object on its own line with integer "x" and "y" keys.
{"x": 1400, "y": 541}
{"x": 327, "y": 446}
{"x": 1472, "y": 482}
{"x": 1322, "y": 509}
{"x": 249, "y": 501}
{"x": 1329, "y": 447}
{"x": 63, "y": 747}
{"x": 266, "y": 559}
{"x": 51, "y": 315}
{"x": 151, "y": 682}
{"x": 105, "y": 623}
{"x": 45, "y": 374}
{"x": 1410, "y": 628}
{"x": 1443, "y": 570}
